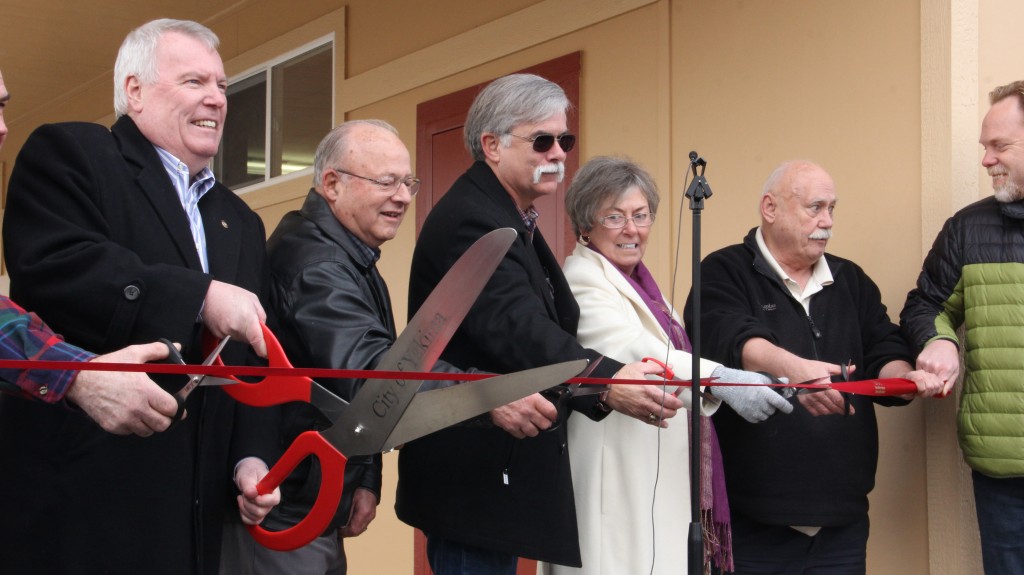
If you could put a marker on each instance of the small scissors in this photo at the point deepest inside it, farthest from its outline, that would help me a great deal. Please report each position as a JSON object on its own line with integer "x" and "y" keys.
{"x": 669, "y": 375}
{"x": 844, "y": 374}
{"x": 809, "y": 386}
{"x": 194, "y": 381}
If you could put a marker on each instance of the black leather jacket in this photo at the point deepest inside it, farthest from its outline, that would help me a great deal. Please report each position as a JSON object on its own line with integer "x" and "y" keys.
{"x": 332, "y": 310}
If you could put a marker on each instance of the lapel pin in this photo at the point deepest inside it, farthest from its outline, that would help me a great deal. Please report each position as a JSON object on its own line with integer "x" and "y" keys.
{"x": 224, "y": 223}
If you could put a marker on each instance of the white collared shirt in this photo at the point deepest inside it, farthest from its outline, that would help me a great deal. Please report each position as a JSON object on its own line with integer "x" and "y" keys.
{"x": 189, "y": 196}
{"x": 821, "y": 276}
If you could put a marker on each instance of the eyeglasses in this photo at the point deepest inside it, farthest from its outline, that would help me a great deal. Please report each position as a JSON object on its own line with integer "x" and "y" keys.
{"x": 616, "y": 221}
{"x": 388, "y": 184}
{"x": 543, "y": 142}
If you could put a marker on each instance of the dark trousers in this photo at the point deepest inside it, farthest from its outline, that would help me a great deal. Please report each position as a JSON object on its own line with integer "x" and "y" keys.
{"x": 760, "y": 549}
{"x": 1000, "y": 506}
{"x": 448, "y": 557}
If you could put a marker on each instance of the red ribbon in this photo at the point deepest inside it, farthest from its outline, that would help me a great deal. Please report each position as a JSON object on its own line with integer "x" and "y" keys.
{"x": 873, "y": 387}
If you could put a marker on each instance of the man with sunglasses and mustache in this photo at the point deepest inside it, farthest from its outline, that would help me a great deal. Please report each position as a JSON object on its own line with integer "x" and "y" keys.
{"x": 974, "y": 275}
{"x": 488, "y": 493}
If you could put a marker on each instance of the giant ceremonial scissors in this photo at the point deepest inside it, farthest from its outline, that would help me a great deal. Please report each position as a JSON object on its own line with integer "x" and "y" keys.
{"x": 385, "y": 413}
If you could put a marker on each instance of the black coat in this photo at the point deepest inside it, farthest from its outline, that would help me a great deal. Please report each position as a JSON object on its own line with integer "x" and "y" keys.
{"x": 99, "y": 246}
{"x": 478, "y": 485}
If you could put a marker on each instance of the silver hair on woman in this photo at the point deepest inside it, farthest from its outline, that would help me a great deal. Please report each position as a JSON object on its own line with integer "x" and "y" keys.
{"x": 601, "y": 178}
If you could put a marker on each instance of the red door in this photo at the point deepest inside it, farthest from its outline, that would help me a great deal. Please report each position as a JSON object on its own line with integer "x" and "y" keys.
{"x": 441, "y": 157}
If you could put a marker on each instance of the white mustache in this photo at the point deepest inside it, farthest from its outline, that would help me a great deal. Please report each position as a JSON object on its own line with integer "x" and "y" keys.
{"x": 821, "y": 234}
{"x": 556, "y": 168}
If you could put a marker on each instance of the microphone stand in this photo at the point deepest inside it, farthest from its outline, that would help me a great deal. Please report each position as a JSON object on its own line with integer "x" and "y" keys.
{"x": 696, "y": 192}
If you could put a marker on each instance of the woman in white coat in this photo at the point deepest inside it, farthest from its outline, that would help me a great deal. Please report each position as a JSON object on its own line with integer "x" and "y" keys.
{"x": 631, "y": 471}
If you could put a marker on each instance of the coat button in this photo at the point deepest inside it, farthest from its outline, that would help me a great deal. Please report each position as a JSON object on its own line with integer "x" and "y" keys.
{"x": 132, "y": 293}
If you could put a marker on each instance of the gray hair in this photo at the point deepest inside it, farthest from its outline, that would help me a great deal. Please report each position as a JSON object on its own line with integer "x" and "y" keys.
{"x": 336, "y": 142}
{"x": 137, "y": 56}
{"x": 1012, "y": 89}
{"x": 601, "y": 178}
{"x": 508, "y": 102}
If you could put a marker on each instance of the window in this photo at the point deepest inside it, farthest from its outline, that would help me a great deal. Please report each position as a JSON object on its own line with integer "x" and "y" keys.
{"x": 277, "y": 115}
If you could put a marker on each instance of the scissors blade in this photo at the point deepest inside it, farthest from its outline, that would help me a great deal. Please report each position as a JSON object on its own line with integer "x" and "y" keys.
{"x": 441, "y": 408}
{"x": 216, "y": 351}
{"x": 795, "y": 391}
{"x": 380, "y": 403}
{"x": 197, "y": 380}
{"x": 327, "y": 403}
{"x": 211, "y": 380}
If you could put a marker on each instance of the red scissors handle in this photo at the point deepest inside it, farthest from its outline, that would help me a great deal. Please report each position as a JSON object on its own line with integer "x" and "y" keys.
{"x": 271, "y": 390}
{"x": 668, "y": 371}
{"x": 332, "y": 465}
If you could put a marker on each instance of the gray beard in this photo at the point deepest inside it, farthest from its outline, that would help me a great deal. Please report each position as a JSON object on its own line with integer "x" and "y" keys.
{"x": 1009, "y": 192}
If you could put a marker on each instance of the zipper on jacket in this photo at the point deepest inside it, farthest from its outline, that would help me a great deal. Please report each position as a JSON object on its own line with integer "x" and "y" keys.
{"x": 509, "y": 460}
{"x": 814, "y": 329}
{"x": 815, "y": 336}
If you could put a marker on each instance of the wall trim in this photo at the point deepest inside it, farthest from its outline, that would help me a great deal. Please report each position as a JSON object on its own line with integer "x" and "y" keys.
{"x": 949, "y": 180}
{"x": 518, "y": 31}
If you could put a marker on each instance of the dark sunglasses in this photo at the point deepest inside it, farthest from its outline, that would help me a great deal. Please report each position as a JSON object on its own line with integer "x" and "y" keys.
{"x": 543, "y": 142}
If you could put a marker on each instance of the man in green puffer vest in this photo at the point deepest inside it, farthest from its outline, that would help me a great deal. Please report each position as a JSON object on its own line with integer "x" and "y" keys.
{"x": 974, "y": 276}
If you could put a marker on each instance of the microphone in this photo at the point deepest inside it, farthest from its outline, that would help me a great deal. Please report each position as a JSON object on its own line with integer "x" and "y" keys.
{"x": 699, "y": 188}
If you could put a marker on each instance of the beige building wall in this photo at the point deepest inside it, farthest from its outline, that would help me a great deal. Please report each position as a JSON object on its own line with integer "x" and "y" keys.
{"x": 886, "y": 95}
{"x": 760, "y": 82}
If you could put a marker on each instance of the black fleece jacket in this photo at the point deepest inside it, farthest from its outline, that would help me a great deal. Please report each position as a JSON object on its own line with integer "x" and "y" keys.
{"x": 797, "y": 469}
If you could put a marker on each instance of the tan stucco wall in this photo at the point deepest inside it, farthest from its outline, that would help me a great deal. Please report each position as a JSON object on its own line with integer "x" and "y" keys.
{"x": 873, "y": 90}
{"x": 761, "y": 82}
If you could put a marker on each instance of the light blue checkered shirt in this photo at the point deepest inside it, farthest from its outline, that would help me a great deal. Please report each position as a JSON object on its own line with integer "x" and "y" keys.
{"x": 189, "y": 196}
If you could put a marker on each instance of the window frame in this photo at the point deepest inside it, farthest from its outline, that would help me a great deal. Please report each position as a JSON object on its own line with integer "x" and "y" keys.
{"x": 265, "y": 68}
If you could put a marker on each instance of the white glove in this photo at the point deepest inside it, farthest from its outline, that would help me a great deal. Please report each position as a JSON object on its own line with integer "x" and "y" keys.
{"x": 756, "y": 402}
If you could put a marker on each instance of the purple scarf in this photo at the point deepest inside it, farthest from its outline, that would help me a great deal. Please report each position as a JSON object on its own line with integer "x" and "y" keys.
{"x": 714, "y": 504}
